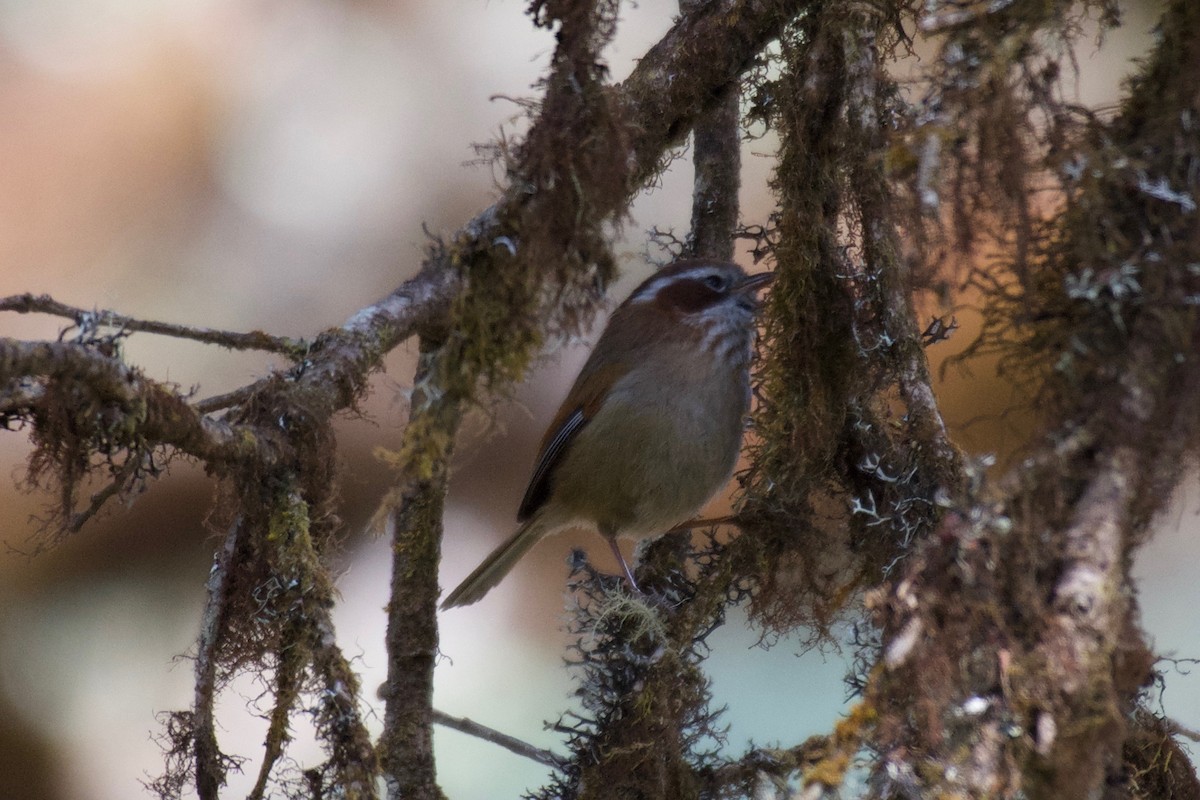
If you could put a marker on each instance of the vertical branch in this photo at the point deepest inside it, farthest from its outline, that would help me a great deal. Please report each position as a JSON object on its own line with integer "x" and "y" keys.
{"x": 210, "y": 763}
{"x": 717, "y": 160}
{"x": 871, "y": 101}
{"x": 352, "y": 759}
{"x": 415, "y": 525}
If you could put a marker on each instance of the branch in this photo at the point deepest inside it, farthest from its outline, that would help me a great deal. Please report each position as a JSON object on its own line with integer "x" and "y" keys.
{"x": 680, "y": 76}
{"x": 414, "y": 526}
{"x": 222, "y": 401}
{"x": 703, "y": 52}
{"x": 116, "y": 486}
{"x": 278, "y": 603}
{"x": 210, "y": 764}
{"x": 716, "y": 154}
{"x": 89, "y": 321}
{"x": 509, "y": 743}
{"x": 762, "y": 770}
{"x": 352, "y": 759}
{"x": 716, "y": 161}
{"x": 154, "y": 412}
{"x": 940, "y": 22}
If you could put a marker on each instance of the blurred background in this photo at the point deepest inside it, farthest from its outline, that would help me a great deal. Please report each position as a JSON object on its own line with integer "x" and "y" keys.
{"x": 269, "y": 164}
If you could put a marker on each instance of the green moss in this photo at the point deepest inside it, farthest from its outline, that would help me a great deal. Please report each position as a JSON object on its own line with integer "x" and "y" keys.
{"x": 844, "y": 465}
{"x": 289, "y": 521}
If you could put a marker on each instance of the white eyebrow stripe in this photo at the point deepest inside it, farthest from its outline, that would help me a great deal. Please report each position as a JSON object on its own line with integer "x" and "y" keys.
{"x": 651, "y": 289}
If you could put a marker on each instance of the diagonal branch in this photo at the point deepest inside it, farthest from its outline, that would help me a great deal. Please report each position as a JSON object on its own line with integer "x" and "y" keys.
{"x": 510, "y": 743}
{"x": 210, "y": 764}
{"x": 704, "y": 52}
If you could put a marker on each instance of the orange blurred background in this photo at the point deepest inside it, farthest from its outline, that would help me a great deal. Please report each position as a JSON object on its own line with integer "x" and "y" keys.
{"x": 269, "y": 165}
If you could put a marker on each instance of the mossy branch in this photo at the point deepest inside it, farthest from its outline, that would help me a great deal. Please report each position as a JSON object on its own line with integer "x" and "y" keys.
{"x": 1012, "y": 657}
{"x": 414, "y": 527}
{"x": 209, "y": 765}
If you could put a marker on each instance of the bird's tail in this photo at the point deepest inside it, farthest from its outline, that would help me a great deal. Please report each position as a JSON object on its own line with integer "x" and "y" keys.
{"x": 496, "y": 566}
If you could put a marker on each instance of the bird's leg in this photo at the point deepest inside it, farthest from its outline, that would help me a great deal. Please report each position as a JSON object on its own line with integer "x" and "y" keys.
{"x": 612, "y": 542}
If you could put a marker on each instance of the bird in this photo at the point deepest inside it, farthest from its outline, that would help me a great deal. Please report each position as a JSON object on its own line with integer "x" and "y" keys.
{"x": 652, "y": 427}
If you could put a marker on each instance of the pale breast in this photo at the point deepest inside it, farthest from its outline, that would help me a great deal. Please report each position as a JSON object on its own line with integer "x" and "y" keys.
{"x": 666, "y": 440}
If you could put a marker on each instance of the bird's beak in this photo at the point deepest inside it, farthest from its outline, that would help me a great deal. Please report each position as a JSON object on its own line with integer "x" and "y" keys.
{"x": 754, "y": 282}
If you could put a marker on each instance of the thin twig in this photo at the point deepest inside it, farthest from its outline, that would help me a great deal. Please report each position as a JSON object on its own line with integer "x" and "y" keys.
{"x": 1174, "y": 728}
{"x": 227, "y": 400}
{"x": 509, "y": 743}
{"x": 119, "y": 481}
{"x": 254, "y": 340}
{"x": 210, "y": 763}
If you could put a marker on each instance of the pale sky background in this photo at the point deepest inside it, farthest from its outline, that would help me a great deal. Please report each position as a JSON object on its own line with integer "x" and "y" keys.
{"x": 269, "y": 165}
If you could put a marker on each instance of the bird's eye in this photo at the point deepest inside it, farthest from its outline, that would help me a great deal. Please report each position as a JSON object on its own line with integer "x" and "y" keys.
{"x": 716, "y": 282}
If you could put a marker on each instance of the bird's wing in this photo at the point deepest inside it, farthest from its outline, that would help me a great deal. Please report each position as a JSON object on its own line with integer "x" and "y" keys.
{"x": 582, "y": 403}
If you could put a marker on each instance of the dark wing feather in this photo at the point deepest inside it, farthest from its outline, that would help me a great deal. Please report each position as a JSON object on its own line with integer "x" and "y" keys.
{"x": 552, "y": 450}
{"x": 582, "y": 403}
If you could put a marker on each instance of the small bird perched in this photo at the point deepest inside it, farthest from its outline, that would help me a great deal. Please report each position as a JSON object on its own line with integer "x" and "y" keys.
{"x": 652, "y": 427}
